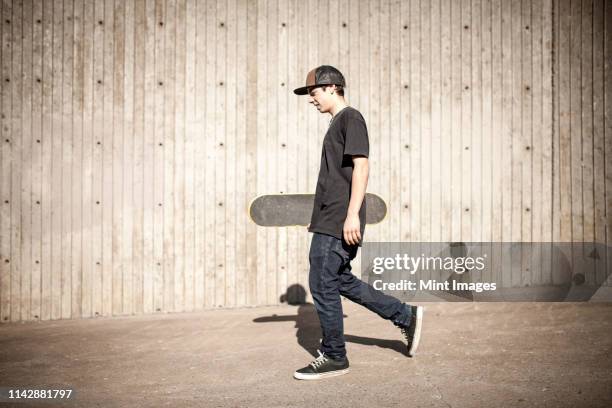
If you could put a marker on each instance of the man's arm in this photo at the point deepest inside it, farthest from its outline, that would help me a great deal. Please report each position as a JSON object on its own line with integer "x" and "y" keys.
{"x": 352, "y": 226}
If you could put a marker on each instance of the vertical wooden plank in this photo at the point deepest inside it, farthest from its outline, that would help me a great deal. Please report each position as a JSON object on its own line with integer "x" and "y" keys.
{"x": 106, "y": 156}
{"x": 555, "y": 82}
{"x": 362, "y": 85}
{"x": 342, "y": 10}
{"x": 556, "y": 151}
{"x": 160, "y": 277}
{"x": 88, "y": 147}
{"x": 179, "y": 160}
{"x": 190, "y": 139}
{"x": 306, "y": 119}
{"x": 394, "y": 129}
{"x": 456, "y": 119}
{"x": 414, "y": 141}
{"x": 497, "y": 144}
{"x": 332, "y": 31}
{"x": 369, "y": 45}
{"x": 128, "y": 160}
{"x": 56, "y": 160}
{"x": 607, "y": 124}
{"x": 516, "y": 137}
{"x": 211, "y": 199}
{"x": 305, "y": 143}
{"x": 564, "y": 112}
{"x": 599, "y": 165}
{"x": 586, "y": 131}
{"x": 280, "y": 147}
{"x": 262, "y": 60}
{"x": 564, "y": 160}
{"x": 298, "y": 241}
{"x": 575, "y": 116}
{"x": 151, "y": 269}
{"x": 465, "y": 155}
{"x": 26, "y": 190}
{"x": 537, "y": 138}
{"x": 576, "y": 136}
{"x": 243, "y": 272}
{"x": 423, "y": 146}
{"x": 301, "y": 144}
{"x": 271, "y": 74}
{"x": 230, "y": 156}
{"x": 252, "y": 172}
{"x": 446, "y": 59}
{"x": 218, "y": 115}
{"x": 141, "y": 84}
{"x": 15, "y": 140}
{"x": 37, "y": 233}
{"x": 525, "y": 143}
{"x": 76, "y": 189}
{"x": 383, "y": 130}
{"x": 113, "y": 151}
{"x": 289, "y": 136}
{"x": 312, "y": 120}
{"x": 437, "y": 182}
{"x": 548, "y": 132}
{"x": 168, "y": 77}
{"x": 353, "y": 28}
{"x": 476, "y": 148}
{"x": 486, "y": 122}
{"x": 47, "y": 151}
{"x": 373, "y": 108}
{"x": 5, "y": 243}
{"x": 506, "y": 130}
{"x": 65, "y": 158}
{"x": 201, "y": 243}
{"x": 586, "y": 92}
{"x": 488, "y": 141}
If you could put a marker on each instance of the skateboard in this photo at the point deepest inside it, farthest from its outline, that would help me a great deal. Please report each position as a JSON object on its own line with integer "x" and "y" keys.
{"x": 286, "y": 210}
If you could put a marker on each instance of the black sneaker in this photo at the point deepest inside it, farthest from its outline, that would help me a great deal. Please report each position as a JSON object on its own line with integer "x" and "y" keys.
{"x": 322, "y": 367}
{"x": 412, "y": 333}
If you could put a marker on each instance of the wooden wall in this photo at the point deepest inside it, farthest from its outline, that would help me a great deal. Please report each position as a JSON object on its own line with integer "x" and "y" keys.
{"x": 135, "y": 133}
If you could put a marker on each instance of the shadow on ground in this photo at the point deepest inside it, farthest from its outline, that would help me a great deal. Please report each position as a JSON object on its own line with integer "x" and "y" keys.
{"x": 308, "y": 331}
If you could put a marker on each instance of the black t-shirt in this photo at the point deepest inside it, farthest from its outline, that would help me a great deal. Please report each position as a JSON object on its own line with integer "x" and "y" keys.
{"x": 347, "y": 136}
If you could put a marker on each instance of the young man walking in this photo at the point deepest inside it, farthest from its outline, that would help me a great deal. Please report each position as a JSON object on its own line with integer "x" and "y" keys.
{"x": 338, "y": 224}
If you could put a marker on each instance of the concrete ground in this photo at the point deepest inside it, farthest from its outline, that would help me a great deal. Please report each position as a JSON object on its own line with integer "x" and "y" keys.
{"x": 471, "y": 355}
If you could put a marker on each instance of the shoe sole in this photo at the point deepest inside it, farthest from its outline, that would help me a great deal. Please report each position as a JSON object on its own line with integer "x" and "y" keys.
{"x": 300, "y": 376}
{"x": 417, "y": 332}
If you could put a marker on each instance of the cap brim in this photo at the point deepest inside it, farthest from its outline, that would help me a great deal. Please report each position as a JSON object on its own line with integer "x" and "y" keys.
{"x": 301, "y": 91}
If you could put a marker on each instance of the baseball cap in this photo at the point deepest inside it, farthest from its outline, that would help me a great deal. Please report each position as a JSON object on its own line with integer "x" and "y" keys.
{"x": 322, "y": 75}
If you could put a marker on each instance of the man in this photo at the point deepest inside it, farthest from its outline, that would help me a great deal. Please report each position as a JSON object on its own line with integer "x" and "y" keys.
{"x": 338, "y": 224}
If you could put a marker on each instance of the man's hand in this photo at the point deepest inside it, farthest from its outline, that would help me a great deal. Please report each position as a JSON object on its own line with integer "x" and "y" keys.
{"x": 308, "y": 226}
{"x": 352, "y": 229}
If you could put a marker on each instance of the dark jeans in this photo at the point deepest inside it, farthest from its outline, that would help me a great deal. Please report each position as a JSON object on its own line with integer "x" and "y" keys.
{"x": 330, "y": 276}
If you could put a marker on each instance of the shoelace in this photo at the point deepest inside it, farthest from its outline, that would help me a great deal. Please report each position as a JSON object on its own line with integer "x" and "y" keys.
{"x": 319, "y": 360}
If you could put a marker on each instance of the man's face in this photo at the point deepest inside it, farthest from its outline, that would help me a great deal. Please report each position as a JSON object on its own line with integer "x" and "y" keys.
{"x": 321, "y": 97}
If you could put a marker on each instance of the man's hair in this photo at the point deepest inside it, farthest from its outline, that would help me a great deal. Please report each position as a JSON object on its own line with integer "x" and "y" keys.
{"x": 339, "y": 89}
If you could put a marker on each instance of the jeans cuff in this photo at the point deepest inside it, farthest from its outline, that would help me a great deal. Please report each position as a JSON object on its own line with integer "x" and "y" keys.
{"x": 403, "y": 317}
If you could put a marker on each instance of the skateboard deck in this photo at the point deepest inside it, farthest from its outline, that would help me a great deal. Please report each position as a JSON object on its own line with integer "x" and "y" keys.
{"x": 285, "y": 210}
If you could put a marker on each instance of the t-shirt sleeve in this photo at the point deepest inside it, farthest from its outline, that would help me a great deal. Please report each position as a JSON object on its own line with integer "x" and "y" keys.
{"x": 356, "y": 138}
